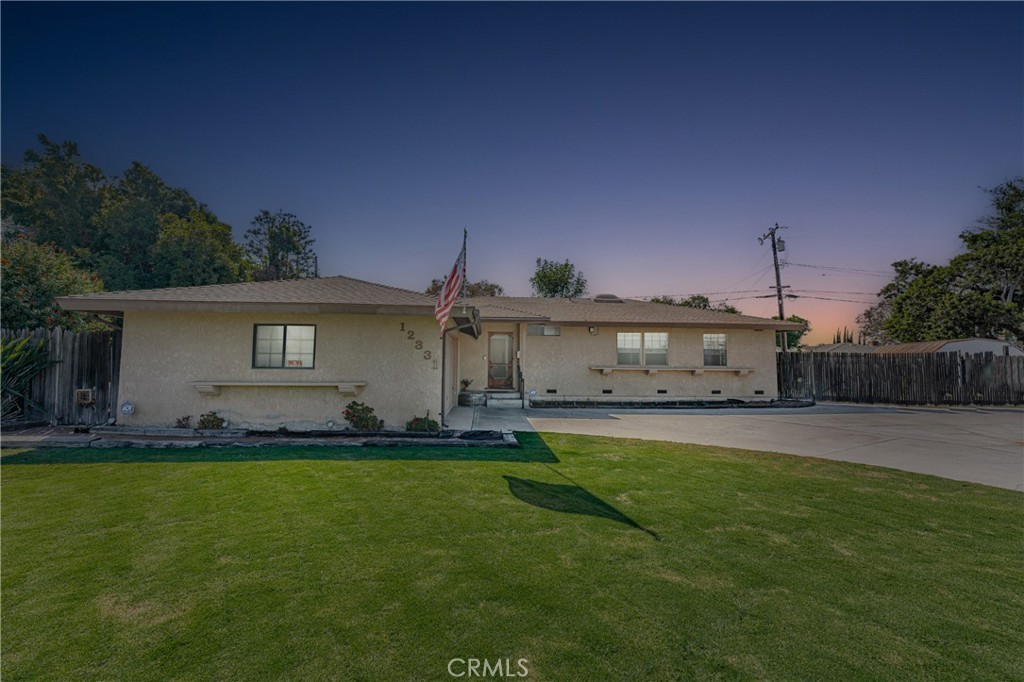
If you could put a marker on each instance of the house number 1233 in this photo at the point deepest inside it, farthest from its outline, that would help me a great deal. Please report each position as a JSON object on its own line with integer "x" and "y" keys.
{"x": 410, "y": 335}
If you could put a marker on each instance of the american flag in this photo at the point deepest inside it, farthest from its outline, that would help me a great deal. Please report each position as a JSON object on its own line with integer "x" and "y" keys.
{"x": 452, "y": 287}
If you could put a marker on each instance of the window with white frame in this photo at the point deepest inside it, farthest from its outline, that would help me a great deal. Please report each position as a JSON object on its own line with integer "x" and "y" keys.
{"x": 642, "y": 348}
{"x": 714, "y": 350}
{"x": 284, "y": 346}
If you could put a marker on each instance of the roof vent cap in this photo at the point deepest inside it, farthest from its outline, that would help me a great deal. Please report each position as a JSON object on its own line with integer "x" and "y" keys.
{"x": 607, "y": 298}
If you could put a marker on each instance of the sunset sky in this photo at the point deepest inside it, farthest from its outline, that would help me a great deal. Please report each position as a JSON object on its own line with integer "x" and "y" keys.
{"x": 650, "y": 144}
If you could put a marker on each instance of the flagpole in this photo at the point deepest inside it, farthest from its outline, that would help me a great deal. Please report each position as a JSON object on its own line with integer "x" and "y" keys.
{"x": 444, "y": 332}
{"x": 444, "y": 373}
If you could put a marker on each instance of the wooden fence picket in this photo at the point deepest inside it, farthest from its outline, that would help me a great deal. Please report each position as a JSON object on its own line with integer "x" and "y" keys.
{"x": 911, "y": 379}
{"x": 86, "y": 360}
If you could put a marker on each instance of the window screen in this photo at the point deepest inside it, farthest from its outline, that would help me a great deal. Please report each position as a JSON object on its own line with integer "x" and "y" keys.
{"x": 714, "y": 350}
{"x": 284, "y": 346}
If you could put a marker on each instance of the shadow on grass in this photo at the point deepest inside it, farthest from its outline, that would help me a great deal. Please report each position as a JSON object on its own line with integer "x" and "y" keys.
{"x": 569, "y": 499}
{"x": 531, "y": 449}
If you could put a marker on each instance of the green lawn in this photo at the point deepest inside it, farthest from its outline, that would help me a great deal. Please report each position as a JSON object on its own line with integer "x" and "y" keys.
{"x": 591, "y": 558}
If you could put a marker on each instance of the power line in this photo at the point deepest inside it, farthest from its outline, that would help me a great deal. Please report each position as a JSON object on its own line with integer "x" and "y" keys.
{"x": 823, "y": 298}
{"x": 835, "y": 268}
{"x": 827, "y": 291}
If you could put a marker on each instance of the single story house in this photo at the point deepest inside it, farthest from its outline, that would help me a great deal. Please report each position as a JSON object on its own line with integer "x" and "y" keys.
{"x": 844, "y": 347}
{"x": 969, "y": 346}
{"x": 295, "y": 352}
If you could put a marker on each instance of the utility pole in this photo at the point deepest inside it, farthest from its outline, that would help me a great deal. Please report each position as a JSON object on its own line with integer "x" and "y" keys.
{"x": 777, "y": 245}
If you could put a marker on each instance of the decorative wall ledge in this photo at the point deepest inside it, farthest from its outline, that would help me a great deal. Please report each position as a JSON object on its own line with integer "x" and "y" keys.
{"x": 213, "y": 387}
{"x": 608, "y": 369}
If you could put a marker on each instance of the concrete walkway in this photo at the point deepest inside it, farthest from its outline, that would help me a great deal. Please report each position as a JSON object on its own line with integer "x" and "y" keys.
{"x": 979, "y": 445}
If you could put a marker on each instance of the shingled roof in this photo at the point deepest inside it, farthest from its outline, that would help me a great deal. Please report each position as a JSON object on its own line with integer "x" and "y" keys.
{"x": 319, "y": 294}
{"x": 347, "y": 295}
{"x": 580, "y": 311}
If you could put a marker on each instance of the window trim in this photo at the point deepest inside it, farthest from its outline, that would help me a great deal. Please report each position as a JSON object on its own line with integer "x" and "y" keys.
{"x": 284, "y": 344}
{"x": 723, "y": 351}
{"x": 643, "y": 349}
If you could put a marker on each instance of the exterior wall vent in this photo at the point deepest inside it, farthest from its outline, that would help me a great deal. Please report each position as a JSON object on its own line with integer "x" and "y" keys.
{"x": 606, "y": 391}
{"x": 717, "y": 391}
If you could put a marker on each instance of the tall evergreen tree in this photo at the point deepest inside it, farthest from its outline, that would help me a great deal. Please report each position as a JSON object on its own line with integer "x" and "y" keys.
{"x": 280, "y": 247}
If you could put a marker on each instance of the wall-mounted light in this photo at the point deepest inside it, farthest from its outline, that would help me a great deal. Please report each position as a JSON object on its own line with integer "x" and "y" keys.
{"x": 592, "y": 330}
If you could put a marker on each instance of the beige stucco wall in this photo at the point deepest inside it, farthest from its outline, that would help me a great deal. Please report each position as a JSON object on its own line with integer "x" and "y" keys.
{"x": 164, "y": 353}
{"x": 562, "y": 363}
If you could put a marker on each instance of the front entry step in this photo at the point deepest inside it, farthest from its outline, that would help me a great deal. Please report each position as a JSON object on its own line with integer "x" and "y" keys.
{"x": 505, "y": 399}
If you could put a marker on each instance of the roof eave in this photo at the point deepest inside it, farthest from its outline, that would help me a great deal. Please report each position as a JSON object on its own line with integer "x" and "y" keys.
{"x": 119, "y": 307}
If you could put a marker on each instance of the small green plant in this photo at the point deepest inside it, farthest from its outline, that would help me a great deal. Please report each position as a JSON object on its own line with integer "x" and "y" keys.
{"x": 211, "y": 420}
{"x": 361, "y": 417}
{"x": 423, "y": 424}
{"x": 465, "y": 383}
{"x": 183, "y": 422}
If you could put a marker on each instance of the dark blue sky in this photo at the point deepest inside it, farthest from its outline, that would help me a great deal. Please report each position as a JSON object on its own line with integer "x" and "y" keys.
{"x": 651, "y": 144}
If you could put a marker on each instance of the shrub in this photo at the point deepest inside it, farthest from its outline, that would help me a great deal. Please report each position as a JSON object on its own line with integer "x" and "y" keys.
{"x": 423, "y": 424}
{"x": 20, "y": 363}
{"x": 465, "y": 383}
{"x": 361, "y": 417}
{"x": 183, "y": 422}
{"x": 211, "y": 420}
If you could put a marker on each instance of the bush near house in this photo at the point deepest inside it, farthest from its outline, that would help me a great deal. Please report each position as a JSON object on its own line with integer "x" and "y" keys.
{"x": 211, "y": 420}
{"x": 423, "y": 424}
{"x": 361, "y": 417}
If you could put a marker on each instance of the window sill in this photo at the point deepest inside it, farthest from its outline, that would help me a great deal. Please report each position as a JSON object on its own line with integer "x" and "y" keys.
{"x": 653, "y": 369}
{"x": 213, "y": 387}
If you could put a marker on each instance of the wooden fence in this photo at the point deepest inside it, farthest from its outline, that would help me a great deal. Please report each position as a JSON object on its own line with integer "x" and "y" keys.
{"x": 86, "y": 360}
{"x": 912, "y": 379}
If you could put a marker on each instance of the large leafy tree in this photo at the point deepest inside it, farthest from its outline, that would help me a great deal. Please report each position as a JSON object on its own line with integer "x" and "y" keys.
{"x": 128, "y": 226}
{"x": 31, "y": 276}
{"x": 553, "y": 279}
{"x": 196, "y": 250}
{"x": 280, "y": 247}
{"x": 978, "y": 293}
{"x": 54, "y": 194}
{"x": 481, "y": 288}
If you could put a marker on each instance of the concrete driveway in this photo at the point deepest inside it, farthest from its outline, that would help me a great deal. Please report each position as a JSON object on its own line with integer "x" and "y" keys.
{"x": 980, "y": 445}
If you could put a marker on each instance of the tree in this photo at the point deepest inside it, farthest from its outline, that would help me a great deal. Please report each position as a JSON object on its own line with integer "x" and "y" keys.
{"x": 280, "y": 247}
{"x": 558, "y": 280}
{"x": 843, "y": 336}
{"x": 54, "y": 194}
{"x": 128, "y": 224}
{"x": 873, "y": 320}
{"x": 109, "y": 225}
{"x": 698, "y": 301}
{"x": 793, "y": 338}
{"x": 33, "y": 275}
{"x": 481, "y": 288}
{"x": 978, "y": 293}
{"x": 196, "y": 250}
